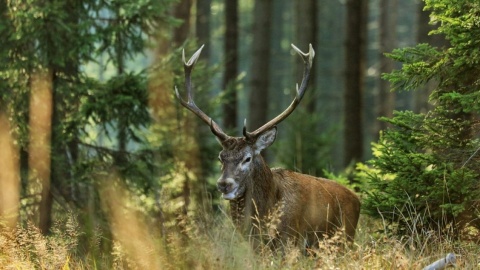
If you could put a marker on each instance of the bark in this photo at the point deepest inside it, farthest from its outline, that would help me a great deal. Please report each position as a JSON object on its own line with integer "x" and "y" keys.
{"x": 421, "y": 96}
{"x": 60, "y": 159}
{"x": 40, "y": 160}
{"x": 122, "y": 126}
{"x": 163, "y": 109}
{"x": 180, "y": 34}
{"x": 354, "y": 81}
{"x": 9, "y": 175}
{"x": 259, "y": 71}
{"x": 306, "y": 33}
{"x": 182, "y": 11}
{"x": 231, "y": 64}
{"x": 202, "y": 27}
{"x": 386, "y": 98}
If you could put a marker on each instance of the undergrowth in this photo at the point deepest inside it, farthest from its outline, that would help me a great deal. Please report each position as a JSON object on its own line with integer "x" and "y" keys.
{"x": 213, "y": 243}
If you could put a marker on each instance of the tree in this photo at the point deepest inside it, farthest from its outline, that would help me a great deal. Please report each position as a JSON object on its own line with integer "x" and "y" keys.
{"x": 9, "y": 176}
{"x": 421, "y": 103}
{"x": 45, "y": 53}
{"x": 306, "y": 33}
{"x": 305, "y": 151}
{"x": 231, "y": 65}
{"x": 202, "y": 26}
{"x": 38, "y": 47}
{"x": 354, "y": 81}
{"x": 260, "y": 65}
{"x": 182, "y": 11}
{"x": 388, "y": 29}
{"x": 425, "y": 172}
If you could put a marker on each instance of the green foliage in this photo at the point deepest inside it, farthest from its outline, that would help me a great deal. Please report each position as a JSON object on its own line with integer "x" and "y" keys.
{"x": 427, "y": 164}
{"x": 123, "y": 98}
{"x": 100, "y": 121}
{"x": 133, "y": 22}
{"x": 420, "y": 64}
{"x": 459, "y": 22}
{"x": 404, "y": 175}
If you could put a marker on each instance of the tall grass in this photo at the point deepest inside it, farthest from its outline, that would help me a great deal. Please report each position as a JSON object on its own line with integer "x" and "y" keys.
{"x": 212, "y": 242}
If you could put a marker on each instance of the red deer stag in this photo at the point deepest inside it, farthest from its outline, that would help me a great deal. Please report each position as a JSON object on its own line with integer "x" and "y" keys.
{"x": 306, "y": 207}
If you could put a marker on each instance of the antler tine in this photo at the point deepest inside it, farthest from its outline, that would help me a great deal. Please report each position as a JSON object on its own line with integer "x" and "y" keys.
{"x": 190, "y": 104}
{"x": 308, "y": 60}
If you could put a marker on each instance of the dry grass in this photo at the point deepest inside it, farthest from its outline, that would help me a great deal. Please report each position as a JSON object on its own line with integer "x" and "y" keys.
{"x": 27, "y": 248}
{"x": 213, "y": 243}
{"x": 216, "y": 245}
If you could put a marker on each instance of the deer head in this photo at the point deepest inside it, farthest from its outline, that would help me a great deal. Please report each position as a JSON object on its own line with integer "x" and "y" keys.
{"x": 240, "y": 156}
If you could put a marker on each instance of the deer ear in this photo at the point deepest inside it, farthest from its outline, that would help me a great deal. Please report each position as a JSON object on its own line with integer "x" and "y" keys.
{"x": 265, "y": 140}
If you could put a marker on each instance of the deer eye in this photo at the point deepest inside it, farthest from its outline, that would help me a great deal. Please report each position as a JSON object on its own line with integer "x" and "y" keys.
{"x": 247, "y": 159}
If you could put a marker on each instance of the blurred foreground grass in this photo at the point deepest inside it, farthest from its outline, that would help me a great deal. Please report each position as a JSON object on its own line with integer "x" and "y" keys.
{"x": 212, "y": 243}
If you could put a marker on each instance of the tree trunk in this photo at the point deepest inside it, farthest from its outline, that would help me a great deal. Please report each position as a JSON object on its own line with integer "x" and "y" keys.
{"x": 182, "y": 11}
{"x": 231, "y": 64}
{"x": 41, "y": 130}
{"x": 354, "y": 81}
{"x": 199, "y": 187}
{"x": 421, "y": 96}
{"x": 306, "y": 33}
{"x": 180, "y": 34}
{"x": 121, "y": 160}
{"x": 259, "y": 71}
{"x": 306, "y": 147}
{"x": 9, "y": 175}
{"x": 388, "y": 34}
{"x": 164, "y": 111}
{"x": 202, "y": 27}
{"x": 60, "y": 165}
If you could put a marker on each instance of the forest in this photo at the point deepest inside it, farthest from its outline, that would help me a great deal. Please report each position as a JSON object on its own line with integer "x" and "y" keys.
{"x": 101, "y": 167}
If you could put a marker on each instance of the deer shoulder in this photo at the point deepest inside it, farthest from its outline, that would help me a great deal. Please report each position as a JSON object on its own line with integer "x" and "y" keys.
{"x": 317, "y": 204}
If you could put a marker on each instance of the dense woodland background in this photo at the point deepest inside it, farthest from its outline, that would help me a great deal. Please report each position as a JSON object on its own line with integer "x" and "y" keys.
{"x": 87, "y": 104}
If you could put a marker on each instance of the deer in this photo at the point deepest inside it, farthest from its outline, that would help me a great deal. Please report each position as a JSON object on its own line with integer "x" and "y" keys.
{"x": 307, "y": 208}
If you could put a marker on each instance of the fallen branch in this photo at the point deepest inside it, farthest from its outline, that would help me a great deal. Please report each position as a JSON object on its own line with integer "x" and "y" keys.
{"x": 442, "y": 263}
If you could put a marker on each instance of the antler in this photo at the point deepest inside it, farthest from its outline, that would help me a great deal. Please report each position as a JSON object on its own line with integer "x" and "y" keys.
{"x": 307, "y": 59}
{"x": 190, "y": 104}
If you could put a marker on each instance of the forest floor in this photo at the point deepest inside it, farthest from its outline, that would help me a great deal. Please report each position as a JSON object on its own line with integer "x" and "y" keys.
{"x": 214, "y": 245}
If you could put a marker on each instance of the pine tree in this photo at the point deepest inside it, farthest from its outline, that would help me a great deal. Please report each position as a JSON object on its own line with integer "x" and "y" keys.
{"x": 55, "y": 41}
{"x": 425, "y": 170}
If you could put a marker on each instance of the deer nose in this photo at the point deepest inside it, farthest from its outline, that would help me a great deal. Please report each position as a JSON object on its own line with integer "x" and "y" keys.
{"x": 224, "y": 186}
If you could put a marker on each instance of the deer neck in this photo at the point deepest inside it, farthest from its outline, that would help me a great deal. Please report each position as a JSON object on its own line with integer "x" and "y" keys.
{"x": 260, "y": 195}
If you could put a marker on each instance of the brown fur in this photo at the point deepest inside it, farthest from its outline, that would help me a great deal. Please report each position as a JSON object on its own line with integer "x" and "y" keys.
{"x": 305, "y": 207}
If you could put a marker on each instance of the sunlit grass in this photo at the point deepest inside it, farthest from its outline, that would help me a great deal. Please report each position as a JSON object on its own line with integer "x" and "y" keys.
{"x": 212, "y": 242}
{"x": 218, "y": 246}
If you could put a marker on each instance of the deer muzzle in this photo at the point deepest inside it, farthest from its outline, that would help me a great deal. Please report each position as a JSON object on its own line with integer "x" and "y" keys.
{"x": 228, "y": 187}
